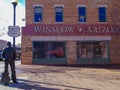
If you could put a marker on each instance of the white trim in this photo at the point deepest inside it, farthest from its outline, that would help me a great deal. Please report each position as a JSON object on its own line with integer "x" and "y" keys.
{"x": 102, "y": 22}
{"x": 81, "y": 6}
{"x": 58, "y": 22}
{"x": 101, "y": 6}
{"x": 38, "y": 22}
{"x": 83, "y": 22}
{"x": 58, "y": 5}
{"x": 38, "y": 5}
{"x": 70, "y": 38}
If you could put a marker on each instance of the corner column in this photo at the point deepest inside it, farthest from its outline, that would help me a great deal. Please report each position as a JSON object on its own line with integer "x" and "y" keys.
{"x": 71, "y": 52}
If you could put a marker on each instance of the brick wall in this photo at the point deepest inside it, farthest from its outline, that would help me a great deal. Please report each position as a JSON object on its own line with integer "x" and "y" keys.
{"x": 26, "y": 50}
{"x": 71, "y": 11}
{"x": 115, "y": 49}
{"x": 71, "y": 17}
{"x": 71, "y": 52}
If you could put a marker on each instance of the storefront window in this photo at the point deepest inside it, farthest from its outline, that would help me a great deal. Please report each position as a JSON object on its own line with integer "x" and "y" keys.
{"x": 92, "y": 50}
{"x": 48, "y": 50}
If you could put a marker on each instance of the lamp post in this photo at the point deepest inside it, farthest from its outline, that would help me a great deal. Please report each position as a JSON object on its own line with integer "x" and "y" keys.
{"x": 14, "y": 3}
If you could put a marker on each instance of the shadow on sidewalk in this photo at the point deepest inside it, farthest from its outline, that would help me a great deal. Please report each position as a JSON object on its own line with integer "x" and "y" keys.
{"x": 25, "y": 85}
{"x": 63, "y": 68}
{"x": 33, "y": 85}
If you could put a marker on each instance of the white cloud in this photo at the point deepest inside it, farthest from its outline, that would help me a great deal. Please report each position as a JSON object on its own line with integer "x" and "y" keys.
{"x": 6, "y": 19}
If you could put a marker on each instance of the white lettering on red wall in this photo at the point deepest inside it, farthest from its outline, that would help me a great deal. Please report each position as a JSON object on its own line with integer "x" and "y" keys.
{"x": 75, "y": 29}
{"x": 103, "y": 29}
{"x": 54, "y": 29}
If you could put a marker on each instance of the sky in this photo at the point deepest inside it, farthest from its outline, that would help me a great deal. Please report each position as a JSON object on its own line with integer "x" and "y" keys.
{"x": 6, "y": 18}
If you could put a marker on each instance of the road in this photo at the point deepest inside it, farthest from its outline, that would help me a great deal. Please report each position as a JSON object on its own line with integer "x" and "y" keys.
{"x": 38, "y": 77}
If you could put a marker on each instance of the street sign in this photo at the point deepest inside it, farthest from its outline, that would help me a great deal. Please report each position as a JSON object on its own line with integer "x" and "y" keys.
{"x": 14, "y": 31}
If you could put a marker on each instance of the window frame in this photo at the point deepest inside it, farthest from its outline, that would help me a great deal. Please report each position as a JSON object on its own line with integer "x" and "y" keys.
{"x": 102, "y": 17}
{"x": 57, "y": 14}
{"x": 40, "y": 13}
{"x": 82, "y": 15}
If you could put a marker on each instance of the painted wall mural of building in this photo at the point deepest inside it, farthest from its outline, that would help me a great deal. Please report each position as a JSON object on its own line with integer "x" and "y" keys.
{"x": 71, "y": 32}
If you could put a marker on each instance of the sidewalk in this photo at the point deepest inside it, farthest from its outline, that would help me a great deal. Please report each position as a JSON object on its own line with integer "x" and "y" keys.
{"x": 38, "y": 77}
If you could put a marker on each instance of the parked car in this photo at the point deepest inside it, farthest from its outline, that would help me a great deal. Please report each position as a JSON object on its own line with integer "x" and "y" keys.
{"x": 58, "y": 53}
{"x": 1, "y": 58}
{"x": 18, "y": 52}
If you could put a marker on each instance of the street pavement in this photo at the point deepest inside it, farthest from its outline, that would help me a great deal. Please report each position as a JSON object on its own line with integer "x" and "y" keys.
{"x": 43, "y": 77}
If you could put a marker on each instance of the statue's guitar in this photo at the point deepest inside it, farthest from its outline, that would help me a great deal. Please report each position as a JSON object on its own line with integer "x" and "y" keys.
{"x": 5, "y": 79}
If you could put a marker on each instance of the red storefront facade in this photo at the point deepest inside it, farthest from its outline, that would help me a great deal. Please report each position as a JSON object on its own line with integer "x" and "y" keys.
{"x": 70, "y": 41}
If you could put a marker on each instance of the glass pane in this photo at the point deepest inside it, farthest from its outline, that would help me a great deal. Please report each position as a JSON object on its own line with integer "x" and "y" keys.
{"x": 82, "y": 19}
{"x": 82, "y": 10}
{"x": 38, "y": 18}
{"x": 49, "y": 50}
{"x": 38, "y": 9}
{"x": 102, "y": 18}
{"x": 59, "y": 18}
{"x": 102, "y": 10}
{"x": 59, "y": 9}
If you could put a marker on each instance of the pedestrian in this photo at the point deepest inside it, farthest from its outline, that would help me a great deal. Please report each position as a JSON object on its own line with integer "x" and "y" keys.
{"x": 10, "y": 56}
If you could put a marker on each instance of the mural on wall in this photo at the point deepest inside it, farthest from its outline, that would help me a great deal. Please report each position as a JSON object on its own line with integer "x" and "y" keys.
{"x": 92, "y": 50}
{"x": 48, "y": 50}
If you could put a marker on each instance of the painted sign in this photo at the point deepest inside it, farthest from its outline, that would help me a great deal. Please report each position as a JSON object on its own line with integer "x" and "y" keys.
{"x": 54, "y": 29}
{"x": 78, "y": 29}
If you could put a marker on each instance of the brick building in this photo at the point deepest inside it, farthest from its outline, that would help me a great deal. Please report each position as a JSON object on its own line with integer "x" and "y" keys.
{"x": 71, "y": 32}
